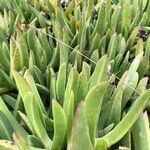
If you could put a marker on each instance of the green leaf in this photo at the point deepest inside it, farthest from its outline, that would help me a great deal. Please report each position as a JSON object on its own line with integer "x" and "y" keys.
{"x": 70, "y": 8}
{"x": 105, "y": 130}
{"x": 15, "y": 57}
{"x": 90, "y": 5}
{"x": 126, "y": 140}
{"x": 54, "y": 3}
{"x": 144, "y": 19}
{"x": 9, "y": 100}
{"x": 132, "y": 38}
{"x": 43, "y": 90}
{"x": 126, "y": 15}
{"x": 69, "y": 112}
{"x": 21, "y": 44}
{"x": 93, "y": 102}
{"x": 37, "y": 74}
{"x": 100, "y": 72}
{"x": 61, "y": 82}
{"x": 63, "y": 48}
{"x": 95, "y": 57}
{"x": 108, "y": 107}
{"x": 142, "y": 85}
{"x": 25, "y": 120}
{"x": 63, "y": 22}
{"x": 135, "y": 64}
{"x": 52, "y": 84}
{"x": 83, "y": 86}
{"x": 83, "y": 38}
{"x": 115, "y": 18}
{"x": 112, "y": 47}
{"x": 34, "y": 141}
{"x": 46, "y": 45}
{"x": 5, "y": 80}
{"x": 115, "y": 115}
{"x": 94, "y": 42}
{"x": 34, "y": 45}
{"x": 20, "y": 142}
{"x": 87, "y": 68}
{"x": 16, "y": 126}
{"x": 34, "y": 114}
{"x": 42, "y": 20}
{"x": 122, "y": 46}
{"x": 80, "y": 138}
{"x": 125, "y": 124}
{"x": 125, "y": 63}
{"x": 134, "y": 22}
{"x": 117, "y": 61}
{"x": 144, "y": 65}
{"x": 49, "y": 125}
{"x": 26, "y": 85}
{"x": 50, "y": 7}
{"x": 4, "y": 58}
{"x": 55, "y": 58}
{"x": 130, "y": 86}
{"x": 6, "y": 128}
{"x": 140, "y": 132}
{"x": 101, "y": 23}
{"x": 72, "y": 85}
{"x": 60, "y": 126}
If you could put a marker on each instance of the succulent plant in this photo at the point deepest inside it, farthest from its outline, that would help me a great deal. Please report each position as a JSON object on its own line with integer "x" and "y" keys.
{"x": 74, "y": 74}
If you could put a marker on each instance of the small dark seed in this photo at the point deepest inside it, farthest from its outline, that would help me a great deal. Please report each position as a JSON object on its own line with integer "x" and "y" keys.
{"x": 142, "y": 34}
{"x": 95, "y": 14}
{"x": 129, "y": 103}
{"x": 51, "y": 29}
{"x": 64, "y": 5}
{"x": 46, "y": 15}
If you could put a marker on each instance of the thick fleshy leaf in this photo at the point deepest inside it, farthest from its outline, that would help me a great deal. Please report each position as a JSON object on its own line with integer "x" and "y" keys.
{"x": 130, "y": 86}
{"x": 126, "y": 123}
{"x": 72, "y": 85}
{"x": 109, "y": 106}
{"x": 83, "y": 86}
{"x": 63, "y": 48}
{"x": 25, "y": 119}
{"x": 100, "y": 72}
{"x": 140, "y": 132}
{"x": 6, "y": 128}
{"x": 34, "y": 45}
{"x": 9, "y": 100}
{"x": 16, "y": 126}
{"x": 132, "y": 38}
{"x": 15, "y": 57}
{"x": 115, "y": 115}
{"x": 4, "y": 57}
{"x": 80, "y": 138}
{"x": 60, "y": 126}
{"x": 61, "y": 82}
{"x": 5, "y": 80}
{"x": 34, "y": 114}
{"x": 37, "y": 74}
{"x": 19, "y": 141}
{"x": 135, "y": 64}
{"x": 101, "y": 23}
{"x": 93, "y": 102}
{"x": 23, "y": 49}
{"x": 112, "y": 47}
{"x": 28, "y": 85}
{"x": 69, "y": 112}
